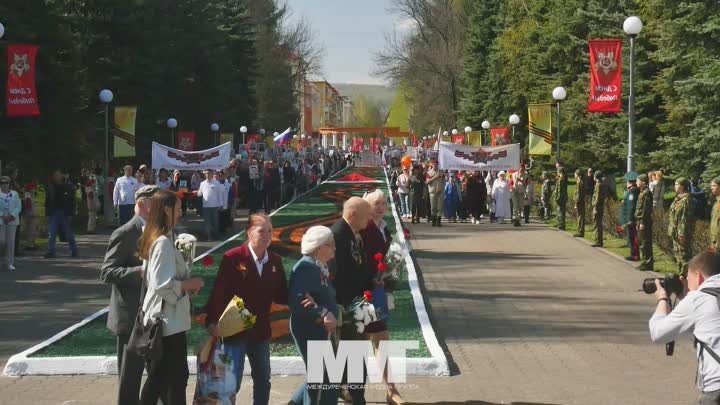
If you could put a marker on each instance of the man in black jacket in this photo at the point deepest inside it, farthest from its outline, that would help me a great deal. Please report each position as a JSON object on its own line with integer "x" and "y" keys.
{"x": 123, "y": 269}
{"x": 351, "y": 278}
{"x": 59, "y": 209}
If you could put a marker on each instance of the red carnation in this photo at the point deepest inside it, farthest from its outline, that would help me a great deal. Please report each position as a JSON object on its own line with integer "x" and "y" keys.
{"x": 378, "y": 256}
{"x": 381, "y": 267}
{"x": 406, "y": 233}
{"x": 208, "y": 261}
{"x": 367, "y": 295}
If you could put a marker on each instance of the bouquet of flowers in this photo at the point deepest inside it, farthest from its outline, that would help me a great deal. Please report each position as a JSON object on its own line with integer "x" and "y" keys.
{"x": 235, "y": 319}
{"x": 361, "y": 312}
{"x": 186, "y": 243}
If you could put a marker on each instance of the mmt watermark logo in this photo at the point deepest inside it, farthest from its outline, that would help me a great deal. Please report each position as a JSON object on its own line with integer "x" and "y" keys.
{"x": 355, "y": 355}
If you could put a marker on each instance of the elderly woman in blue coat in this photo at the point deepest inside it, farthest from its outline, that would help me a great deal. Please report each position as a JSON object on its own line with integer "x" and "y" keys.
{"x": 310, "y": 276}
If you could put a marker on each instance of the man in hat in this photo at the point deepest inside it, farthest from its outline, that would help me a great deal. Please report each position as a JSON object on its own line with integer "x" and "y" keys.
{"x": 436, "y": 185}
{"x": 123, "y": 270}
{"x": 561, "y": 195}
{"x": 681, "y": 221}
{"x": 643, "y": 219}
{"x": 598, "y": 205}
{"x": 715, "y": 216}
{"x": 627, "y": 215}
{"x": 579, "y": 201}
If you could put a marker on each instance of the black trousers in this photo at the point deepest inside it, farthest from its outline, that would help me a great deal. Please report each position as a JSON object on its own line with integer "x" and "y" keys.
{"x": 130, "y": 371}
{"x": 168, "y": 377}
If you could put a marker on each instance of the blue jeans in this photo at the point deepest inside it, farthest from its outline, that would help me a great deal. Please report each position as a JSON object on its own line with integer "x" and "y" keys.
{"x": 58, "y": 221}
{"x": 404, "y": 203}
{"x": 259, "y": 357}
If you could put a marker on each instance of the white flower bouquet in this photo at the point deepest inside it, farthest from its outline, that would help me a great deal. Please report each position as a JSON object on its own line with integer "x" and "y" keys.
{"x": 186, "y": 244}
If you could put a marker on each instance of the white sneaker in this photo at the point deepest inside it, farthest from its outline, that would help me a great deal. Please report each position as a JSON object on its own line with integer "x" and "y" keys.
{"x": 11, "y": 267}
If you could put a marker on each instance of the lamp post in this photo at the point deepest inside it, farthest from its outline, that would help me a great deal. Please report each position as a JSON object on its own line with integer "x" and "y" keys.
{"x": 214, "y": 127}
{"x": 486, "y": 126}
{"x": 559, "y": 94}
{"x": 106, "y": 97}
{"x": 632, "y": 27}
{"x": 243, "y": 130}
{"x": 467, "y": 134}
{"x": 514, "y": 120}
{"x": 172, "y": 124}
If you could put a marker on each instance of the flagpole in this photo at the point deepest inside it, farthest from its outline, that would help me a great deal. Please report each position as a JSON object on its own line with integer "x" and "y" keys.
{"x": 106, "y": 97}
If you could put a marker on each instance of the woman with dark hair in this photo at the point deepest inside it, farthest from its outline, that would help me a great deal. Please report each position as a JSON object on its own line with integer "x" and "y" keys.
{"x": 167, "y": 287}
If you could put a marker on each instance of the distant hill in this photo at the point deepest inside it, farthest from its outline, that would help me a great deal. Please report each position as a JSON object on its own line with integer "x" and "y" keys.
{"x": 380, "y": 95}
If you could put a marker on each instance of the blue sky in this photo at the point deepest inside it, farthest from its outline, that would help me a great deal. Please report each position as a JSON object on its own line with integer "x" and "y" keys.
{"x": 350, "y": 31}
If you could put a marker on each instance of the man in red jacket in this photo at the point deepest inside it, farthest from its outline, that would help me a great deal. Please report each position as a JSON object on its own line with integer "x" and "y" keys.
{"x": 257, "y": 276}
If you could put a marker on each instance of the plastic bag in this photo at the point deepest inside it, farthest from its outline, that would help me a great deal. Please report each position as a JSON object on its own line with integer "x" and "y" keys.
{"x": 216, "y": 374}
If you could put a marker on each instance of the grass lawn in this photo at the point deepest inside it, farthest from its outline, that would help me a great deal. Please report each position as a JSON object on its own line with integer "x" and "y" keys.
{"x": 94, "y": 339}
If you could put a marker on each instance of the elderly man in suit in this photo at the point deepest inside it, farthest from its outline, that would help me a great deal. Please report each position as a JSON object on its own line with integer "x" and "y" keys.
{"x": 123, "y": 269}
{"x": 351, "y": 277}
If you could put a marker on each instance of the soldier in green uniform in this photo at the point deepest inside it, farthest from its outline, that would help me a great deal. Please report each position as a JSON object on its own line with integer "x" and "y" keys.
{"x": 627, "y": 215}
{"x": 546, "y": 191}
{"x": 715, "y": 217}
{"x": 561, "y": 196}
{"x": 643, "y": 218}
{"x": 681, "y": 224}
{"x": 598, "y": 206}
{"x": 579, "y": 200}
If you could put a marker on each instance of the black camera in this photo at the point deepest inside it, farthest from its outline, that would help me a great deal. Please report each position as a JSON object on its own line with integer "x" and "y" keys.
{"x": 670, "y": 283}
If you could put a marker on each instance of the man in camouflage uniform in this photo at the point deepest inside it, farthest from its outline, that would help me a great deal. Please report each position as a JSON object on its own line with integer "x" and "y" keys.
{"x": 715, "y": 217}
{"x": 681, "y": 223}
{"x": 579, "y": 200}
{"x": 644, "y": 220}
{"x": 598, "y": 205}
{"x": 561, "y": 196}
{"x": 546, "y": 191}
{"x": 627, "y": 215}
{"x": 435, "y": 180}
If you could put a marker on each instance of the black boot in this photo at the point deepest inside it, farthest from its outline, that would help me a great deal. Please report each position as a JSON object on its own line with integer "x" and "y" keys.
{"x": 439, "y": 220}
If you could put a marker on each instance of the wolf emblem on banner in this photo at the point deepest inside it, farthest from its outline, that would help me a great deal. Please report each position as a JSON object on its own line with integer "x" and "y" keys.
{"x": 20, "y": 65}
{"x": 481, "y": 156}
{"x": 193, "y": 158}
{"x": 606, "y": 61}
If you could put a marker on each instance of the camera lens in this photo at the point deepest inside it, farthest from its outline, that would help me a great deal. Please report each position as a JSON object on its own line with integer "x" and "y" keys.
{"x": 648, "y": 286}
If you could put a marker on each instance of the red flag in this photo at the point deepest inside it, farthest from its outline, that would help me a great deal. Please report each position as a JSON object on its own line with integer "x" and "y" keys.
{"x": 357, "y": 144}
{"x": 500, "y": 136}
{"x": 252, "y": 138}
{"x": 458, "y": 138}
{"x": 186, "y": 140}
{"x": 374, "y": 144}
{"x": 605, "y": 76}
{"x": 22, "y": 100}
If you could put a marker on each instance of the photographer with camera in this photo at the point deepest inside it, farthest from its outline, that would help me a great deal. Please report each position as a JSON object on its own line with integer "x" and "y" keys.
{"x": 698, "y": 312}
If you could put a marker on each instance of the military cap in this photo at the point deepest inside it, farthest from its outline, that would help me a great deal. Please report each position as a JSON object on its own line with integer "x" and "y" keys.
{"x": 683, "y": 182}
{"x": 643, "y": 178}
{"x": 631, "y": 176}
{"x": 598, "y": 175}
{"x": 578, "y": 172}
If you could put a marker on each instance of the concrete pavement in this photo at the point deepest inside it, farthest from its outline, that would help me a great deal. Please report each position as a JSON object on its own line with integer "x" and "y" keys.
{"x": 528, "y": 316}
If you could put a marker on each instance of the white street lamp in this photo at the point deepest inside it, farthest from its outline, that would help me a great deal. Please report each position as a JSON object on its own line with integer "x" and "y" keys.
{"x": 243, "y": 130}
{"x": 486, "y": 126}
{"x": 2, "y": 32}
{"x": 514, "y": 120}
{"x": 262, "y": 131}
{"x": 632, "y": 27}
{"x": 445, "y": 133}
{"x": 468, "y": 130}
{"x": 172, "y": 124}
{"x": 559, "y": 94}
{"x": 106, "y": 97}
{"x": 214, "y": 127}
{"x": 455, "y": 132}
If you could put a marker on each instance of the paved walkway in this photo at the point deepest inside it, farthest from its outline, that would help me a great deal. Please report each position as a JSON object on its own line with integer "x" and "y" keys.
{"x": 529, "y": 316}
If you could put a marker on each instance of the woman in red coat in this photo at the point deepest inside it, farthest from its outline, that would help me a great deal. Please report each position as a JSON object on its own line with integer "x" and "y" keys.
{"x": 257, "y": 276}
{"x": 376, "y": 239}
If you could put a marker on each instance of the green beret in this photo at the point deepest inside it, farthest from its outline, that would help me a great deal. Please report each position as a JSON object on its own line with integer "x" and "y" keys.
{"x": 643, "y": 178}
{"x": 578, "y": 172}
{"x": 631, "y": 176}
{"x": 683, "y": 182}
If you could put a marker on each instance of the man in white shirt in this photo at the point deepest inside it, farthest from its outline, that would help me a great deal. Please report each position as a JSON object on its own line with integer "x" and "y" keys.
{"x": 163, "y": 182}
{"x": 213, "y": 199}
{"x": 698, "y": 313}
{"x": 124, "y": 195}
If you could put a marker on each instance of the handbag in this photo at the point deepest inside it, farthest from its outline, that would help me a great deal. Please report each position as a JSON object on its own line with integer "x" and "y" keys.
{"x": 146, "y": 339}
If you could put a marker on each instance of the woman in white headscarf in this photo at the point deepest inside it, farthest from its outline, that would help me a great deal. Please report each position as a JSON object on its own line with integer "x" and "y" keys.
{"x": 501, "y": 196}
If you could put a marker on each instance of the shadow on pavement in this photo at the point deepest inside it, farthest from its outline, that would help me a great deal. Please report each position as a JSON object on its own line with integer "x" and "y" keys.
{"x": 479, "y": 403}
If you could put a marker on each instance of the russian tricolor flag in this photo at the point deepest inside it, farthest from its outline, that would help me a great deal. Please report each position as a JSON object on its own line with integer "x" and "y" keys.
{"x": 285, "y": 137}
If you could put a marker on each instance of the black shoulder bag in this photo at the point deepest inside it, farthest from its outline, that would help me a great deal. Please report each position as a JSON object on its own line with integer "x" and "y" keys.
{"x": 146, "y": 340}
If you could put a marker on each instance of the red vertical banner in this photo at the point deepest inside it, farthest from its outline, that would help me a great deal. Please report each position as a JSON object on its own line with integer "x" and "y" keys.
{"x": 357, "y": 144}
{"x": 374, "y": 144}
{"x": 186, "y": 140}
{"x": 414, "y": 140}
{"x": 22, "y": 100}
{"x": 458, "y": 138}
{"x": 605, "y": 76}
{"x": 500, "y": 136}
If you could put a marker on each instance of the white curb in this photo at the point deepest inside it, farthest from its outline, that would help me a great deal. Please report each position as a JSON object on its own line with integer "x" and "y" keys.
{"x": 22, "y": 364}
